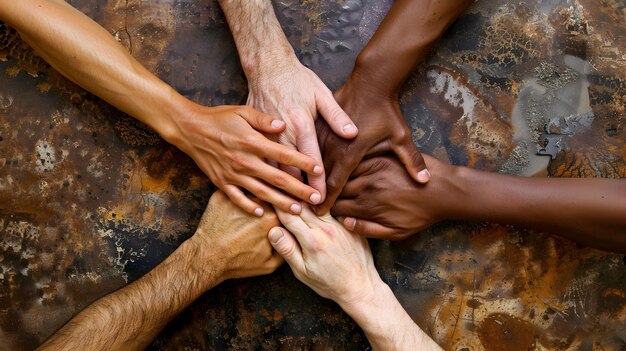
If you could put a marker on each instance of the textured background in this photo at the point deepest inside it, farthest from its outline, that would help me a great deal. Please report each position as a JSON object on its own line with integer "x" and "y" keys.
{"x": 91, "y": 199}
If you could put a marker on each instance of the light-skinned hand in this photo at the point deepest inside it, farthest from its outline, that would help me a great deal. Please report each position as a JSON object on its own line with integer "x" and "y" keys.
{"x": 333, "y": 262}
{"x": 294, "y": 93}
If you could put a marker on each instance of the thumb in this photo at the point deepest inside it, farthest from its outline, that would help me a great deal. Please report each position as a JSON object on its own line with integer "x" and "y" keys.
{"x": 335, "y": 116}
{"x": 369, "y": 229}
{"x": 264, "y": 122}
{"x": 413, "y": 161}
{"x": 286, "y": 245}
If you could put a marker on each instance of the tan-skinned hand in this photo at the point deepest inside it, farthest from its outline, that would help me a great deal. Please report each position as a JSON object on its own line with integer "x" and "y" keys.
{"x": 236, "y": 242}
{"x": 227, "y": 144}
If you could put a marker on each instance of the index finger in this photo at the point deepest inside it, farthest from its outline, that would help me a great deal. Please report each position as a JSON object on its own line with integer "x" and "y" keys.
{"x": 296, "y": 226}
{"x": 337, "y": 179}
{"x": 308, "y": 145}
{"x": 289, "y": 157}
{"x": 413, "y": 161}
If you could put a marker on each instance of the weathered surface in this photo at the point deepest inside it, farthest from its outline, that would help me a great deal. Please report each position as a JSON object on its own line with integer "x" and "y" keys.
{"x": 90, "y": 199}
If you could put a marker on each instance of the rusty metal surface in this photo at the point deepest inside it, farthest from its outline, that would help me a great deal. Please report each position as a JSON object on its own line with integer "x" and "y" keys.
{"x": 90, "y": 199}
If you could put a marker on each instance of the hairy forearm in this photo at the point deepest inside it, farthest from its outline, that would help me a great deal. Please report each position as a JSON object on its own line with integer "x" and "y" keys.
{"x": 258, "y": 35}
{"x": 130, "y": 318}
{"x": 87, "y": 54}
{"x": 590, "y": 211}
{"x": 403, "y": 39}
{"x": 386, "y": 324}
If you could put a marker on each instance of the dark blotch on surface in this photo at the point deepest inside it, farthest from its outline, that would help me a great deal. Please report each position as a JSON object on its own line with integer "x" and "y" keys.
{"x": 465, "y": 33}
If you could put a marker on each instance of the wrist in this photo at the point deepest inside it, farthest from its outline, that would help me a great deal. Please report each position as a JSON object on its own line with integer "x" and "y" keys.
{"x": 171, "y": 125}
{"x": 380, "y": 312}
{"x": 466, "y": 192}
{"x": 368, "y": 300}
{"x": 166, "y": 107}
{"x": 267, "y": 55}
{"x": 204, "y": 260}
{"x": 370, "y": 76}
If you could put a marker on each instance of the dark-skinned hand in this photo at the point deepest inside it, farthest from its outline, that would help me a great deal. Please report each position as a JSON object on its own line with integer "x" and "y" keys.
{"x": 381, "y": 129}
{"x": 382, "y": 201}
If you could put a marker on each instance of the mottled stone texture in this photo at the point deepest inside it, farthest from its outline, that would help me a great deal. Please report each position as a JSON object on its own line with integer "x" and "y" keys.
{"x": 91, "y": 199}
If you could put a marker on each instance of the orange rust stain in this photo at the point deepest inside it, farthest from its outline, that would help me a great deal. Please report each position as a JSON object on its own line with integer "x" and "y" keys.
{"x": 614, "y": 292}
{"x": 500, "y": 331}
{"x": 278, "y": 315}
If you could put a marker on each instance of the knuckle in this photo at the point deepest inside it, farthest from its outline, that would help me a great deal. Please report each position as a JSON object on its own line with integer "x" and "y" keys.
{"x": 219, "y": 181}
{"x": 281, "y": 181}
{"x": 304, "y": 127}
{"x": 288, "y": 250}
{"x": 261, "y": 193}
{"x": 332, "y": 184}
{"x": 315, "y": 245}
{"x": 285, "y": 156}
{"x": 239, "y": 163}
{"x": 358, "y": 227}
{"x": 401, "y": 135}
{"x": 381, "y": 164}
{"x": 329, "y": 230}
{"x": 417, "y": 158}
{"x": 249, "y": 141}
{"x": 372, "y": 188}
{"x": 270, "y": 218}
{"x": 237, "y": 197}
{"x": 335, "y": 114}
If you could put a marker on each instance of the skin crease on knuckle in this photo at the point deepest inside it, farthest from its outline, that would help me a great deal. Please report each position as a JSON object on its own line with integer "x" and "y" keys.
{"x": 239, "y": 164}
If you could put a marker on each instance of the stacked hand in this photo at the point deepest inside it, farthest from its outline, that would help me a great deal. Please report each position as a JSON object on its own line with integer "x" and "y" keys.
{"x": 227, "y": 144}
{"x": 382, "y": 129}
{"x": 314, "y": 246}
{"x": 338, "y": 265}
{"x": 292, "y": 92}
{"x": 382, "y": 201}
{"x": 235, "y": 242}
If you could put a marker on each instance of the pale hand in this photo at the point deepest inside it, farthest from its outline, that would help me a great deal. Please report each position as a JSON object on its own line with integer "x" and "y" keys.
{"x": 294, "y": 93}
{"x": 333, "y": 262}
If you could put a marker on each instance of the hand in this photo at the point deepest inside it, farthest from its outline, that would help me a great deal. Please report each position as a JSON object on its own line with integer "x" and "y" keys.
{"x": 234, "y": 242}
{"x": 382, "y": 201}
{"x": 293, "y": 92}
{"x": 225, "y": 145}
{"x": 381, "y": 129}
{"x": 334, "y": 263}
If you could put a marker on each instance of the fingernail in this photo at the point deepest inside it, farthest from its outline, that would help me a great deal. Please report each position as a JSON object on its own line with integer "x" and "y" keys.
{"x": 349, "y": 128}
{"x": 315, "y": 198}
{"x": 258, "y": 211}
{"x": 295, "y": 208}
{"x": 276, "y": 235}
{"x": 423, "y": 176}
{"x": 350, "y": 223}
{"x": 318, "y": 170}
{"x": 277, "y": 124}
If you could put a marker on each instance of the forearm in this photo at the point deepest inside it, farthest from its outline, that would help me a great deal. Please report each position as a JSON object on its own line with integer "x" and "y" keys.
{"x": 130, "y": 318}
{"x": 403, "y": 39}
{"x": 386, "y": 324}
{"x": 258, "y": 35}
{"x": 87, "y": 54}
{"x": 590, "y": 211}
